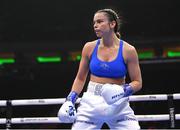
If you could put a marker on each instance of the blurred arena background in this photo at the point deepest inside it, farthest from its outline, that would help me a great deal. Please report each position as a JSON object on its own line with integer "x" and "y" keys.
{"x": 41, "y": 42}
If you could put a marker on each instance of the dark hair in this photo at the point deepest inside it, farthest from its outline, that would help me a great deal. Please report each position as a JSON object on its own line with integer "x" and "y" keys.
{"x": 112, "y": 16}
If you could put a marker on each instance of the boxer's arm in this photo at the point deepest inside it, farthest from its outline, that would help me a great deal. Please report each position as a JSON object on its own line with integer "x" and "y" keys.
{"x": 83, "y": 70}
{"x": 67, "y": 112}
{"x": 133, "y": 69}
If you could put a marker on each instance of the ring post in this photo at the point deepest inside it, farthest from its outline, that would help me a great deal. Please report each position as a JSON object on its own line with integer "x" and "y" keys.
{"x": 171, "y": 111}
{"x": 8, "y": 114}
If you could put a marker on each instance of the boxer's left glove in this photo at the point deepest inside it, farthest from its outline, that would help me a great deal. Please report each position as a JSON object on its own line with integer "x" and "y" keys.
{"x": 128, "y": 90}
{"x": 67, "y": 112}
{"x": 112, "y": 92}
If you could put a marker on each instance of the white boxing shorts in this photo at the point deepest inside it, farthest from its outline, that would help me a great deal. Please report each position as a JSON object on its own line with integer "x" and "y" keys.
{"x": 93, "y": 112}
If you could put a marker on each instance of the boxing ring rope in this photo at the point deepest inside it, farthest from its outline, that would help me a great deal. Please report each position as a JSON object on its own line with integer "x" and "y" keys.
{"x": 40, "y": 120}
{"x": 24, "y": 102}
{"x": 44, "y": 120}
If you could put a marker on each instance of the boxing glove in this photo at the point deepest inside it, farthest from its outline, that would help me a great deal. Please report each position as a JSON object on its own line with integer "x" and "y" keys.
{"x": 67, "y": 112}
{"x": 128, "y": 90}
{"x": 112, "y": 92}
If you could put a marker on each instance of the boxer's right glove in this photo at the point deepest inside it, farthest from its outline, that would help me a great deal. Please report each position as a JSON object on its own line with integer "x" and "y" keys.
{"x": 67, "y": 112}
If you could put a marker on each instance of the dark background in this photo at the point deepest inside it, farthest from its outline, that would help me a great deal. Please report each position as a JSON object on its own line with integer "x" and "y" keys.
{"x": 30, "y": 27}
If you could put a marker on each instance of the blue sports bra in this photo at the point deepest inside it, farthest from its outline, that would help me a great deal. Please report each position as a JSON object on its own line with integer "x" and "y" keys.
{"x": 112, "y": 69}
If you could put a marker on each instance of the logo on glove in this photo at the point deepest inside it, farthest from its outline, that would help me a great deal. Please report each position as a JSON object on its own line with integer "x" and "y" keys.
{"x": 117, "y": 95}
{"x": 71, "y": 111}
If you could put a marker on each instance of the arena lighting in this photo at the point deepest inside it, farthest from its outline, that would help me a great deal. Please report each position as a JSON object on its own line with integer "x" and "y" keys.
{"x": 43, "y": 59}
{"x": 78, "y": 57}
{"x": 74, "y": 56}
{"x": 7, "y": 61}
{"x": 146, "y": 54}
{"x": 173, "y": 53}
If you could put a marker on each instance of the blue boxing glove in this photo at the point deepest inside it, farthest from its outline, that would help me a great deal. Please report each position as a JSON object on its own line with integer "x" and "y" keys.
{"x": 72, "y": 97}
{"x": 67, "y": 112}
{"x": 128, "y": 90}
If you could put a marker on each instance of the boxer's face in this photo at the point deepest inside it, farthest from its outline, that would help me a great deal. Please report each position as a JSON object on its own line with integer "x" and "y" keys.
{"x": 102, "y": 25}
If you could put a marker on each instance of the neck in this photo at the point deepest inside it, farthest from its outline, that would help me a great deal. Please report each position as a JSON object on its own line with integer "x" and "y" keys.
{"x": 110, "y": 40}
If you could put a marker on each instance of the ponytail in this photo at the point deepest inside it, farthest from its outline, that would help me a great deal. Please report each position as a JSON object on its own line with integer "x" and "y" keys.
{"x": 118, "y": 34}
